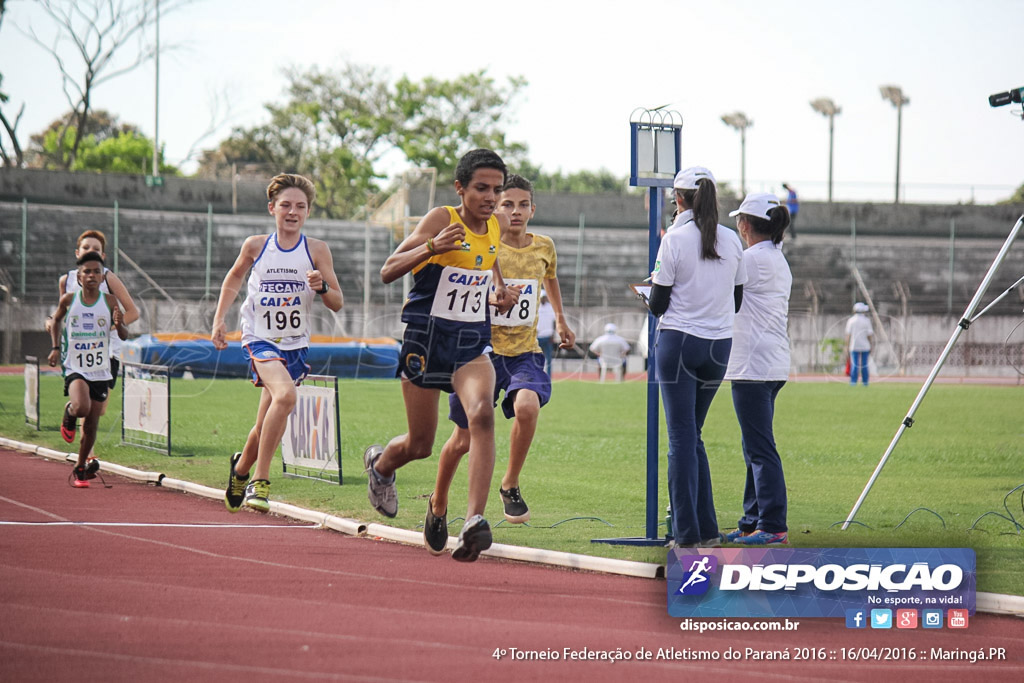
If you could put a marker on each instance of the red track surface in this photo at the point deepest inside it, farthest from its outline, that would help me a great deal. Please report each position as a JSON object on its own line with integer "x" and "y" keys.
{"x": 281, "y": 602}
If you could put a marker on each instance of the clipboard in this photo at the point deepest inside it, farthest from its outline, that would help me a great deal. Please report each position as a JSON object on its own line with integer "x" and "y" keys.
{"x": 643, "y": 292}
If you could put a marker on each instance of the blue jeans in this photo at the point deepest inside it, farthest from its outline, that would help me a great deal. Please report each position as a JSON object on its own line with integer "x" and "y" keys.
{"x": 859, "y": 364}
{"x": 547, "y": 347}
{"x": 690, "y": 370}
{"x": 764, "y": 495}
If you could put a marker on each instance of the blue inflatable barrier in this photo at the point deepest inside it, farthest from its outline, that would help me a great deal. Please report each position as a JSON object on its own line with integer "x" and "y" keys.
{"x": 350, "y": 359}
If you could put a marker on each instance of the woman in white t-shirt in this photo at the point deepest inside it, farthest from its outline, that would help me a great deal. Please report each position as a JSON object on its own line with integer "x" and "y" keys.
{"x": 759, "y": 367}
{"x": 697, "y": 287}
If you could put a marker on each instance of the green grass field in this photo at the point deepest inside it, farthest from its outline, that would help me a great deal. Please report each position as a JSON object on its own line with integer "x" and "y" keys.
{"x": 584, "y": 478}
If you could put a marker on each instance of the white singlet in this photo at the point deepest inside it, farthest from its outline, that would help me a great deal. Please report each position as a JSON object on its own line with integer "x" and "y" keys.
{"x": 278, "y": 301}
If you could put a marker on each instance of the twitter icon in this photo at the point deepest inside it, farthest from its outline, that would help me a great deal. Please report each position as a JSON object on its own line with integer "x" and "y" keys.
{"x": 881, "y": 618}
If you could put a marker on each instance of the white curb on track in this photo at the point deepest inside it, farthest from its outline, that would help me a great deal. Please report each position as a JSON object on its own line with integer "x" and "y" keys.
{"x": 992, "y": 603}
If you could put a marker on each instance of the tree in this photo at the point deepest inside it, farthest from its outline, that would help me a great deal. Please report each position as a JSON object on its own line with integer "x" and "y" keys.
{"x": 96, "y": 32}
{"x": 127, "y": 152}
{"x": 51, "y": 148}
{"x": 1016, "y": 198}
{"x": 441, "y": 120}
{"x": 578, "y": 182}
{"x": 14, "y": 157}
{"x": 106, "y": 146}
{"x": 336, "y": 127}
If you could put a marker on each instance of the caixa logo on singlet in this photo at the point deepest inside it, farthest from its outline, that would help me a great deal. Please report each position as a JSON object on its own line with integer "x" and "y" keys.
{"x": 282, "y": 286}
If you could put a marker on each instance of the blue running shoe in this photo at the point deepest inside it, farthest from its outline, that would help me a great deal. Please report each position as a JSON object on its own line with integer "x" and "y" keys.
{"x": 734, "y": 534}
{"x": 760, "y": 537}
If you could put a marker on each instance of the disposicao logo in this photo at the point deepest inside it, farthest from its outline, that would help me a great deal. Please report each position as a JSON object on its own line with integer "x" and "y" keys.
{"x": 697, "y": 579}
{"x": 825, "y": 582}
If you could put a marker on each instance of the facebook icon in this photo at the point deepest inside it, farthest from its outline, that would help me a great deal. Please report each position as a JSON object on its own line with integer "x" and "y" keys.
{"x": 856, "y": 618}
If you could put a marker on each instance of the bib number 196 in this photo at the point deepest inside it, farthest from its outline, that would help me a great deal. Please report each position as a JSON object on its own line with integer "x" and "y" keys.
{"x": 280, "y": 321}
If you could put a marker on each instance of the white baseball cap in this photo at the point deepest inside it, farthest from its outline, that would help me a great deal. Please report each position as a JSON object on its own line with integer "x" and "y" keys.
{"x": 687, "y": 178}
{"x": 860, "y": 307}
{"x": 757, "y": 204}
{"x": 610, "y": 328}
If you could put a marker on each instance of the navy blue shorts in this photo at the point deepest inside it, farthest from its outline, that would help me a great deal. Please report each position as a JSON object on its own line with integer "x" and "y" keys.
{"x": 429, "y": 357}
{"x": 511, "y": 373}
{"x": 264, "y": 351}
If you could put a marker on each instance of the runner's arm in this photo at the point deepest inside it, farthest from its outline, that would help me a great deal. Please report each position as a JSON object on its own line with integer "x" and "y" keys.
{"x": 565, "y": 333}
{"x": 120, "y": 292}
{"x": 434, "y": 234}
{"x": 324, "y": 274}
{"x": 231, "y": 285}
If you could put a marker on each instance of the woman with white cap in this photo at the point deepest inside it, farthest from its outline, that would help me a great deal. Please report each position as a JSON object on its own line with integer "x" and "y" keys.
{"x": 860, "y": 342}
{"x": 697, "y": 288}
{"x": 759, "y": 367}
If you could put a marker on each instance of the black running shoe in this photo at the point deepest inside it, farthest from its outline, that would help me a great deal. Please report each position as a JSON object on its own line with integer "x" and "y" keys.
{"x": 516, "y": 510}
{"x": 79, "y": 478}
{"x": 234, "y": 495}
{"x": 92, "y": 466}
{"x": 435, "y": 530}
{"x": 474, "y": 539}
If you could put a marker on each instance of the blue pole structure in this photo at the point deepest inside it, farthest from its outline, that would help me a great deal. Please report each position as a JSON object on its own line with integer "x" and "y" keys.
{"x": 655, "y": 158}
{"x": 657, "y": 198}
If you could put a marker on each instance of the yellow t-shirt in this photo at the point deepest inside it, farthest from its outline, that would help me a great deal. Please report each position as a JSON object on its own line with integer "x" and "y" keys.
{"x": 515, "y": 332}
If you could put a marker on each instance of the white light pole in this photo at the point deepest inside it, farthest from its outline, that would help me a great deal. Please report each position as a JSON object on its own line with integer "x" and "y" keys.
{"x": 740, "y": 122}
{"x": 894, "y": 94}
{"x": 156, "y": 100}
{"x": 827, "y": 107}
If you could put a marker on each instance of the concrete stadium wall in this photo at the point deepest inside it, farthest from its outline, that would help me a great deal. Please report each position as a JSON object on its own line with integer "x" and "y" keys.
{"x": 177, "y": 253}
{"x": 554, "y": 209}
{"x": 130, "y": 191}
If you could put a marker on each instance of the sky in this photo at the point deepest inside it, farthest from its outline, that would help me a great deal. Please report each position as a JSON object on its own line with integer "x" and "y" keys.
{"x": 590, "y": 65}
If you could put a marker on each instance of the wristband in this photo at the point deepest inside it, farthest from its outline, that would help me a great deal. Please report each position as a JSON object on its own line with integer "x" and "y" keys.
{"x": 430, "y": 245}
{"x": 55, "y": 348}
{"x": 324, "y": 289}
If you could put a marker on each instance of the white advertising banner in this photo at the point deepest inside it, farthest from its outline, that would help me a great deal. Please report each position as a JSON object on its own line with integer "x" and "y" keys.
{"x": 310, "y": 436}
{"x": 32, "y": 393}
{"x": 146, "y": 406}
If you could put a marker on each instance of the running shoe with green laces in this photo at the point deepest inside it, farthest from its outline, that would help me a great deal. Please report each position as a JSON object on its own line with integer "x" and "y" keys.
{"x": 516, "y": 510}
{"x": 474, "y": 539}
{"x": 234, "y": 495}
{"x": 68, "y": 424}
{"x": 257, "y": 495}
{"x": 435, "y": 530}
{"x": 383, "y": 493}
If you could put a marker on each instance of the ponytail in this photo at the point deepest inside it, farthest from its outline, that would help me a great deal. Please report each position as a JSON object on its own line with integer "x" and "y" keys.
{"x": 704, "y": 202}
{"x": 773, "y": 227}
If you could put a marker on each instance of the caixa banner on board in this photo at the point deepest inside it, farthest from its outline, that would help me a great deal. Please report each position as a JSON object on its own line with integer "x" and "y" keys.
{"x": 816, "y": 582}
